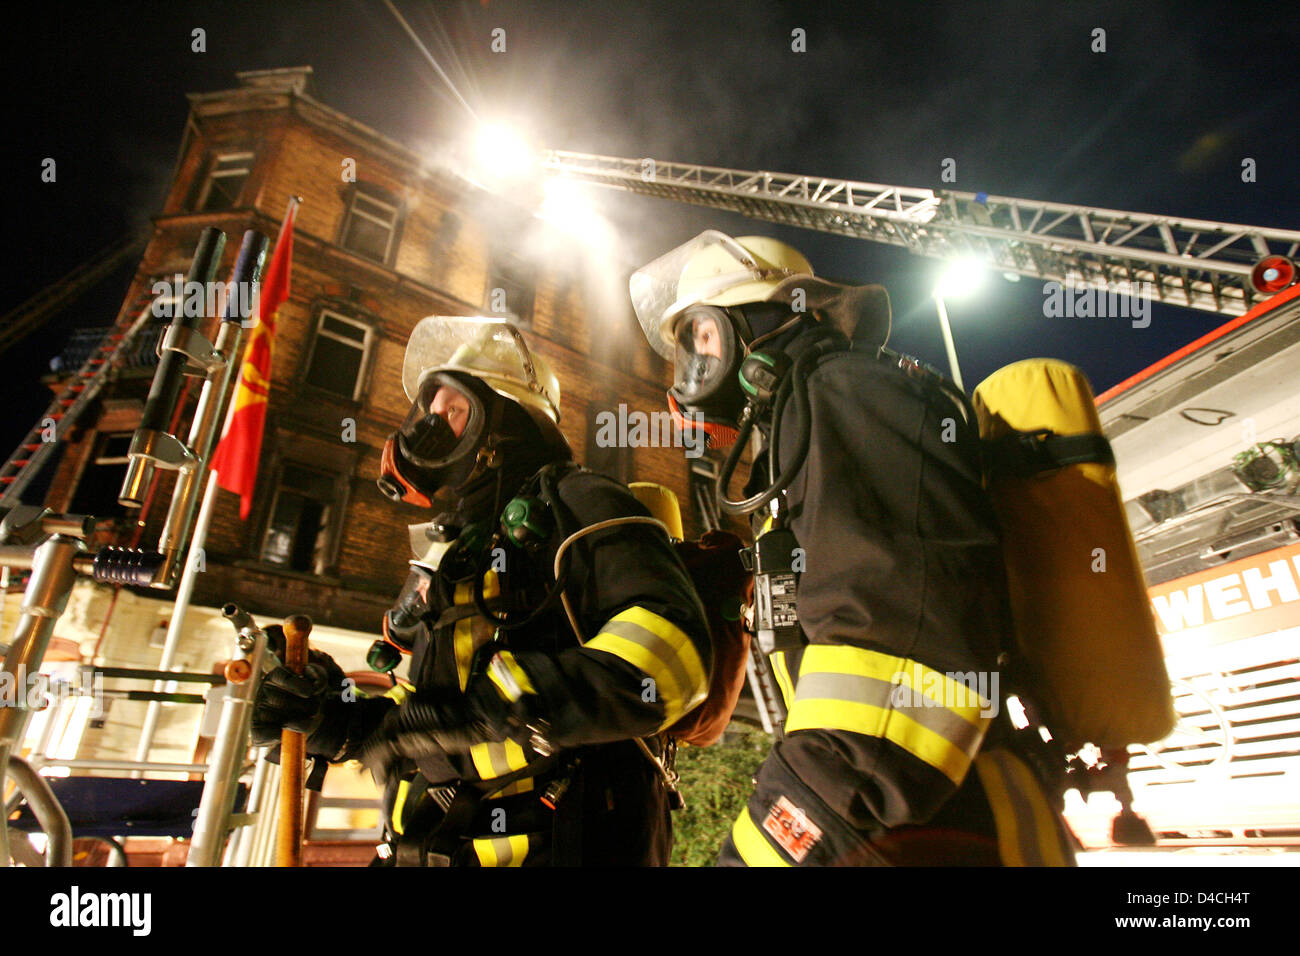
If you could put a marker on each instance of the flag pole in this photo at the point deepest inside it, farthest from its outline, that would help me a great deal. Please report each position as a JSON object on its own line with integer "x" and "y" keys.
{"x": 194, "y": 559}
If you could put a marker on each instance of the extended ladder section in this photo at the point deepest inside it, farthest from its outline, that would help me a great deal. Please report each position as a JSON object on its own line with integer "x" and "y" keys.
{"x": 1187, "y": 262}
{"x": 34, "y": 450}
{"x": 31, "y": 314}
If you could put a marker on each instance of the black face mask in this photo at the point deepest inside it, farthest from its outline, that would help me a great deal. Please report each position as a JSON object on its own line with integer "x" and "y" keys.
{"x": 425, "y": 458}
{"x": 711, "y": 345}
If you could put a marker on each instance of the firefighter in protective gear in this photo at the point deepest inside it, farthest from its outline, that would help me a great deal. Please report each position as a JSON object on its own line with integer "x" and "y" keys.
{"x": 517, "y": 741}
{"x": 897, "y": 749}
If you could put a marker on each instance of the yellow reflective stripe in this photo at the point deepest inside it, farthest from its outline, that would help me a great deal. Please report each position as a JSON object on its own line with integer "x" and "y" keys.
{"x": 871, "y": 721}
{"x": 398, "y": 692}
{"x": 782, "y": 672}
{"x": 399, "y": 804}
{"x": 501, "y": 851}
{"x": 464, "y": 593}
{"x": 510, "y": 679}
{"x": 661, "y": 650}
{"x": 950, "y": 694}
{"x": 857, "y": 690}
{"x": 463, "y": 642}
{"x": 519, "y": 786}
{"x": 497, "y": 759}
{"x": 1028, "y": 834}
{"x": 752, "y": 845}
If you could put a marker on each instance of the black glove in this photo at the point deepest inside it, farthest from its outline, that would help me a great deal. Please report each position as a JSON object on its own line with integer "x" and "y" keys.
{"x": 430, "y": 724}
{"x": 287, "y": 700}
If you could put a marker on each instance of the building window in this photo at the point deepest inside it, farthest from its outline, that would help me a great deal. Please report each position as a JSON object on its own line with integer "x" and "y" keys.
{"x": 612, "y": 458}
{"x": 339, "y": 355}
{"x": 297, "y": 535}
{"x": 511, "y": 286}
{"x": 370, "y": 226}
{"x": 102, "y": 480}
{"x": 225, "y": 182}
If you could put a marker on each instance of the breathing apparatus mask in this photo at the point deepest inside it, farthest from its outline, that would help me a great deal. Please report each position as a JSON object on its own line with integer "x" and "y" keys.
{"x": 711, "y": 345}
{"x": 481, "y": 402}
{"x": 441, "y": 446}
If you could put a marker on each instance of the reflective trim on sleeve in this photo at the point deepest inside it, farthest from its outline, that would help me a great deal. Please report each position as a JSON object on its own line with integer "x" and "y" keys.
{"x": 508, "y": 677}
{"x": 399, "y": 805}
{"x": 497, "y": 759}
{"x": 661, "y": 650}
{"x": 1028, "y": 833}
{"x": 501, "y": 851}
{"x": 463, "y": 644}
{"x": 398, "y": 692}
{"x": 781, "y": 670}
{"x": 751, "y": 845}
{"x": 937, "y": 719}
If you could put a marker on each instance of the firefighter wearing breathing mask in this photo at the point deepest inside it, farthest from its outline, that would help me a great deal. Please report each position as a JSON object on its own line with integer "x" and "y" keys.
{"x": 880, "y": 592}
{"x": 550, "y": 628}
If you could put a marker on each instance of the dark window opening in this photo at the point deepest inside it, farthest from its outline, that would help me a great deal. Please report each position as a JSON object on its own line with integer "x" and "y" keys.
{"x": 339, "y": 355}
{"x": 225, "y": 182}
{"x": 511, "y": 287}
{"x": 370, "y": 226}
{"x": 297, "y": 536}
{"x": 610, "y": 458}
{"x": 100, "y": 483}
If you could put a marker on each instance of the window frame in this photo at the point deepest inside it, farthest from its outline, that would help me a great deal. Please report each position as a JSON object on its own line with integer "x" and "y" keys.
{"x": 505, "y": 266}
{"x": 380, "y": 198}
{"x": 332, "y": 532}
{"x": 366, "y": 348}
{"x": 248, "y": 160}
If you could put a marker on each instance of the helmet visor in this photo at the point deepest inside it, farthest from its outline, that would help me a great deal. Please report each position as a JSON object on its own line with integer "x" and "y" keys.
{"x": 695, "y": 272}
{"x": 490, "y": 349}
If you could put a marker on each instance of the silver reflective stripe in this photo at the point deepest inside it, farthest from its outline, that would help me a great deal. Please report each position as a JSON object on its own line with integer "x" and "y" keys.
{"x": 664, "y": 652}
{"x": 878, "y": 693}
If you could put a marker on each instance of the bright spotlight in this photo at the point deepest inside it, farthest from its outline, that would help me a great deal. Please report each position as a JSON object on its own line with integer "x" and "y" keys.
{"x": 961, "y": 278}
{"x": 502, "y": 152}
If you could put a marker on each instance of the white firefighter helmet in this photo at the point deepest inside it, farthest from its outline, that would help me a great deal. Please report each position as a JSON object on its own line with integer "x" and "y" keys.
{"x": 715, "y": 269}
{"x": 490, "y": 349}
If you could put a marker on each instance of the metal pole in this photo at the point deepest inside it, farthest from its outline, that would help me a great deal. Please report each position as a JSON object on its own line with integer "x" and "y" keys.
{"x": 240, "y": 849}
{"x": 183, "y": 594}
{"x": 44, "y": 600}
{"x": 231, "y": 744}
{"x": 947, "y": 341}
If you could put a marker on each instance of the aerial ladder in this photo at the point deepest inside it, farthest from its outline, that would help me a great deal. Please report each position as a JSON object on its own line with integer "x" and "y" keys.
{"x": 1219, "y": 267}
{"x": 1224, "y": 268}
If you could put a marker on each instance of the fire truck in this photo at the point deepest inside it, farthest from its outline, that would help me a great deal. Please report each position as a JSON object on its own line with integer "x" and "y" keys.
{"x": 1207, "y": 445}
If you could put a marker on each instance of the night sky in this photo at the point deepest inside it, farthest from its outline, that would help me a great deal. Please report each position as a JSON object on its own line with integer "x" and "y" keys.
{"x": 1158, "y": 123}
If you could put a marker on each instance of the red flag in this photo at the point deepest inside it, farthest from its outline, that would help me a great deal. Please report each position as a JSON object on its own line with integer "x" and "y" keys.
{"x": 235, "y": 460}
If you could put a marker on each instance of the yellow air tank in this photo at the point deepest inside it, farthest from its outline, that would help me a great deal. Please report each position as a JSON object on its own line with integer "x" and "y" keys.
{"x": 1084, "y": 629}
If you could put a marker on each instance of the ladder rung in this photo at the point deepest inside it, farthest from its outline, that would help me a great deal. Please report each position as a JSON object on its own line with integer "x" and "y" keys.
{"x": 22, "y": 461}
{"x": 9, "y": 479}
{"x": 32, "y": 446}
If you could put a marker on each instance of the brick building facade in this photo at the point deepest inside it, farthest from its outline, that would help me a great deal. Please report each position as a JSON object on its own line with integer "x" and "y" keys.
{"x": 382, "y": 239}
